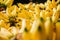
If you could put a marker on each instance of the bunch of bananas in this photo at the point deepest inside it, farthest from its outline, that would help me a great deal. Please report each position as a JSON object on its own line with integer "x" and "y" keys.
{"x": 5, "y": 3}
{"x": 30, "y": 21}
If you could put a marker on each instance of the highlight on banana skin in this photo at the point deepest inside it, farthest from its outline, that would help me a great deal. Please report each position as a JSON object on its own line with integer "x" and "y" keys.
{"x": 30, "y": 21}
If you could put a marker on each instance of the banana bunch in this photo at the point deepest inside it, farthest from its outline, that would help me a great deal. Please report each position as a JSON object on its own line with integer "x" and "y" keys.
{"x": 7, "y": 2}
{"x": 30, "y": 21}
{"x": 4, "y": 4}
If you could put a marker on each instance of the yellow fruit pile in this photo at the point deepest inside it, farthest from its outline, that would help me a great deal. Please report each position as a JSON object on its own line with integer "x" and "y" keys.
{"x": 34, "y": 21}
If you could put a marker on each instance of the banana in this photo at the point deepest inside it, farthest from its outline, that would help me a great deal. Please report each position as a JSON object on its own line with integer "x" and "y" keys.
{"x": 35, "y": 34}
{"x": 38, "y": 29}
{"x": 58, "y": 30}
{"x": 7, "y": 2}
{"x": 48, "y": 29}
{"x": 5, "y": 34}
{"x": 55, "y": 16}
{"x": 26, "y": 33}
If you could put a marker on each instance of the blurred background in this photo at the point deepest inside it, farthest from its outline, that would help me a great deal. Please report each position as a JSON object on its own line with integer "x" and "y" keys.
{"x": 27, "y": 1}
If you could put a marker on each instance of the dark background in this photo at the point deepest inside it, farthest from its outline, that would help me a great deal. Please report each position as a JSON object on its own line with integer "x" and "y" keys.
{"x": 27, "y": 1}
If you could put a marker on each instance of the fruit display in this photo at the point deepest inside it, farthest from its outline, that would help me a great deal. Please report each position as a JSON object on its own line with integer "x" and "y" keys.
{"x": 30, "y": 21}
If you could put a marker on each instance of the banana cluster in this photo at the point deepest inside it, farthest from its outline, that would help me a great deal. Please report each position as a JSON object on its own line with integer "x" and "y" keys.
{"x": 31, "y": 21}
